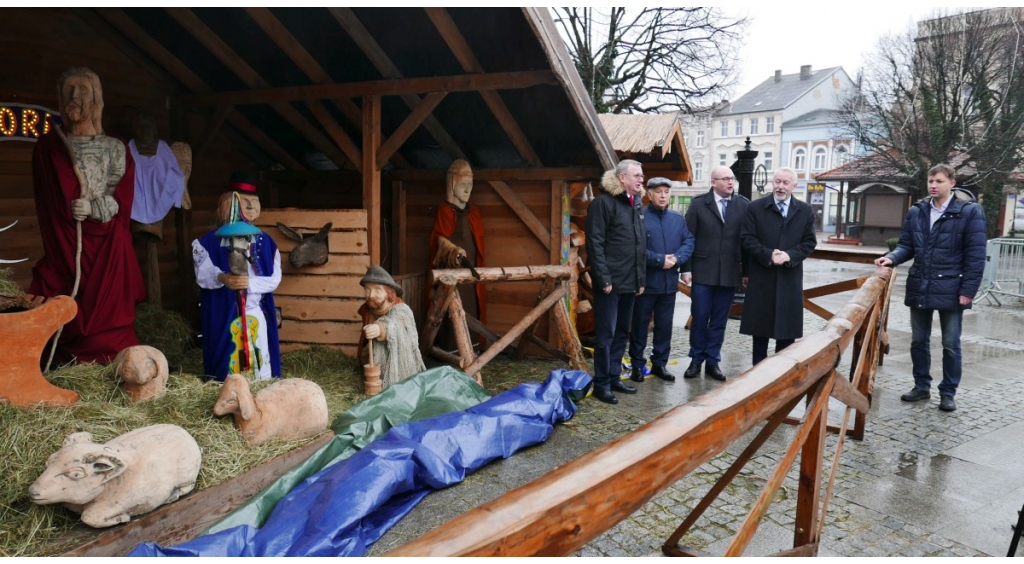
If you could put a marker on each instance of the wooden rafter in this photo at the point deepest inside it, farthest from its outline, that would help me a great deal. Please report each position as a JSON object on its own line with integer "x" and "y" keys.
{"x": 523, "y": 211}
{"x": 287, "y": 42}
{"x": 462, "y": 51}
{"x": 375, "y": 53}
{"x": 414, "y": 119}
{"x": 371, "y": 173}
{"x": 407, "y": 88}
{"x": 226, "y": 55}
{"x": 183, "y": 74}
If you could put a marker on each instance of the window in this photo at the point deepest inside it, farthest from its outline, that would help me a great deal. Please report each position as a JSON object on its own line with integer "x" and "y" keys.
{"x": 700, "y": 137}
{"x": 769, "y": 125}
{"x": 753, "y": 126}
{"x": 686, "y": 138}
{"x": 725, "y": 128}
{"x": 739, "y": 127}
{"x": 841, "y": 156}
{"x": 800, "y": 159}
{"x": 768, "y": 160}
{"x": 820, "y": 158}
{"x": 721, "y": 159}
{"x": 698, "y": 171}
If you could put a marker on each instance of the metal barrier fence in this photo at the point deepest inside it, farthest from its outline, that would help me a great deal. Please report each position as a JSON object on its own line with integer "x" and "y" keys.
{"x": 1004, "y": 270}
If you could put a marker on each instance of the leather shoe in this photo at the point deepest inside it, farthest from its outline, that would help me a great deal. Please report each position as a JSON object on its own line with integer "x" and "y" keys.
{"x": 715, "y": 372}
{"x": 618, "y": 386}
{"x": 692, "y": 371}
{"x": 947, "y": 403}
{"x": 917, "y": 394}
{"x": 660, "y": 372}
{"x": 606, "y": 396}
{"x": 637, "y": 374}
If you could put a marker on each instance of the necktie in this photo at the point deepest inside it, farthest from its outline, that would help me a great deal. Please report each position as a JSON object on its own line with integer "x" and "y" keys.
{"x": 782, "y": 208}
{"x": 630, "y": 199}
{"x": 724, "y": 204}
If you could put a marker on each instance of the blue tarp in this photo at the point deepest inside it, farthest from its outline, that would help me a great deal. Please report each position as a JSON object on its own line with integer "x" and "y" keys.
{"x": 346, "y": 507}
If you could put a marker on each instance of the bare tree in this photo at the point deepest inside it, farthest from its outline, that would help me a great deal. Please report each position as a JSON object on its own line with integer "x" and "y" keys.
{"x": 642, "y": 60}
{"x": 950, "y": 91}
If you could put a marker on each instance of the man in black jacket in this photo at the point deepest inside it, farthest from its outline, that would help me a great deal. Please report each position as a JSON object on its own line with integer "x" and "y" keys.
{"x": 715, "y": 270}
{"x": 777, "y": 235}
{"x": 616, "y": 245}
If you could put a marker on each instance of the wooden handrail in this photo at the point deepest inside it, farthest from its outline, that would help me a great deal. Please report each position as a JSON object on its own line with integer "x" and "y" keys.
{"x": 574, "y": 504}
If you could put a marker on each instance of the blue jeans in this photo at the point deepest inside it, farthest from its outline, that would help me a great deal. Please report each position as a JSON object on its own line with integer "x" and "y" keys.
{"x": 662, "y": 306}
{"x": 710, "y": 311}
{"x": 920, "y": 348}
{"x": 612, "y": 316}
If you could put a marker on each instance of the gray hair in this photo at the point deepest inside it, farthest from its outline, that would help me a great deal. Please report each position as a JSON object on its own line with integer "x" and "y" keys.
{"x": 786, "y": 169}
{"x": 624, "y": 165}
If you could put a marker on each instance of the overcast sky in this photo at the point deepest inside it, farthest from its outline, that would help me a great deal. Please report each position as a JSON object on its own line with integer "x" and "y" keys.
{"x": 821, "y": 35}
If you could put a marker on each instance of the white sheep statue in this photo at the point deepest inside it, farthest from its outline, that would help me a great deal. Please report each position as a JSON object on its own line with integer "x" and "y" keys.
{"x": 110, "y": 483}
{"x": 142, "y": 371}
{"x": 291, "y": 408}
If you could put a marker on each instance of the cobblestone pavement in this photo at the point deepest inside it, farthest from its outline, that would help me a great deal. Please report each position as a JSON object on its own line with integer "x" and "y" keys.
{"x": 921, "y": 483}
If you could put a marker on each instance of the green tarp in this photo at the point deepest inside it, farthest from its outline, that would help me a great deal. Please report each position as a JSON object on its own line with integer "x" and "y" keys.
{"x": 428, "y": 394}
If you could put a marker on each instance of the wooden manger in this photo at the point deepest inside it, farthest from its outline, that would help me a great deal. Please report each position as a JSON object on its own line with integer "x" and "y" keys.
{"x": 558, "y": 282}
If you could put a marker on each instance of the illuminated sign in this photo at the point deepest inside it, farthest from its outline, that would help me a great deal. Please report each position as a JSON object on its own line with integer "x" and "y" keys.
{"x": 25, "y": 122}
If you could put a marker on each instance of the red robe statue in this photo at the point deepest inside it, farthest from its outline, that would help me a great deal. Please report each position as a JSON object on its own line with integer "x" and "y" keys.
{"x": 444, "y": 226}
{"x": 111, "y": 283}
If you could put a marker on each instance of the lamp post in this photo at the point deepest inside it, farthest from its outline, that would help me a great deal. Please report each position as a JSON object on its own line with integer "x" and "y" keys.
{"x": 743, "y": 169}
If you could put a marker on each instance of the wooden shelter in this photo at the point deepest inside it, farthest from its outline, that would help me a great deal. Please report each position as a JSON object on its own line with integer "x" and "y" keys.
{"x": 334, "y": 108}
{"x": 654, "y": 140}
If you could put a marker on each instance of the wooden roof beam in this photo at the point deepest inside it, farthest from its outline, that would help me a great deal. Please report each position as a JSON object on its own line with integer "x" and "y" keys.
{"x": 365, "y": 41}
{"x": 407, "y": 88}
{"x": 283, "y": 38}
{"x": 462, "y": 51}
{"x": 226, "y": 55}
{"x": 414, "y": 119}
{"x": 127, "y": 26}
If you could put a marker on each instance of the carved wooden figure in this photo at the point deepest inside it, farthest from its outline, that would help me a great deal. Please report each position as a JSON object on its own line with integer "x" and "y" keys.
{"x": 23, "y": 336}
{"x": 110, "y": 483}
{"x": 289, "y": 409}
{"x": 142, "y": 371}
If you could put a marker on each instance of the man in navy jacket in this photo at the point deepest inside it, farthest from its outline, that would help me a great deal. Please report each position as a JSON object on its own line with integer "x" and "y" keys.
{"x": 945, "y": 235}
{"x": 669, "y": 245}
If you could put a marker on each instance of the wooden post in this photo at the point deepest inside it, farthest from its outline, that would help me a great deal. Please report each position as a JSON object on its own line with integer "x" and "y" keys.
{"x": 399, "y": 250}
{"x": 153, "y": 289}
{"x": 809, "y": 491}
{"x": 371, "y": 173}
{"x": 187, "y": 303}
{"x": 435, "y": 313}
{"x": 457, "y": 314}
{"x": 515, "y": 331}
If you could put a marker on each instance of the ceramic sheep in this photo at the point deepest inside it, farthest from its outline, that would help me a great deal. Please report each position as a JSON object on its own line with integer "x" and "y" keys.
{"x": 142, "y": 371}
{"x": 110, "y": 483}
{"x": 310, "y": 250}
{"x": 292, "y": 408}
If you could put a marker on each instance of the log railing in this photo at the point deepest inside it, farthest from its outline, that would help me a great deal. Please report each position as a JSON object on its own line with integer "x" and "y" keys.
{"x": 558, "y": 280}
{"x": 574, "y": 504}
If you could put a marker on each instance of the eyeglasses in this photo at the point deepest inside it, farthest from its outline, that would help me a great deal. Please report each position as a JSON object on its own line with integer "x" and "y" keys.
{"x": 726, "y": 178}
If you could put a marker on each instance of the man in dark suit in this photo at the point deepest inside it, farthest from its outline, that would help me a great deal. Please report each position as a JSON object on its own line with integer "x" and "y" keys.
{"x": 777, "y": 235}
{"x": 715, "y": 269}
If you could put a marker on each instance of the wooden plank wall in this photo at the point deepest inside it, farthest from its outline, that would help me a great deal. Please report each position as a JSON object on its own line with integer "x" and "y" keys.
{"x": 319, "y": 304}
{"x": 36, "y": 45}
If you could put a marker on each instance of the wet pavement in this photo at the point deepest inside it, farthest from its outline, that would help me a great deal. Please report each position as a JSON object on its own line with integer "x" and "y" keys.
{"x": 922, "y": 482}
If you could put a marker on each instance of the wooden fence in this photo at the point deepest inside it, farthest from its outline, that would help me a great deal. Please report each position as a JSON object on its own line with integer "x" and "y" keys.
{"x": 567, "y": 508}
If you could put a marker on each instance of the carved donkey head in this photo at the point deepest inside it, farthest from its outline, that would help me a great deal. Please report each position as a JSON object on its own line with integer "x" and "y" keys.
{"x": 310, "y": 250}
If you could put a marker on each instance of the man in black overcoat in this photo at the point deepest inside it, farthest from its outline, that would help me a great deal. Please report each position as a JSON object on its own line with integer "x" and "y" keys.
{"x": 777, "y": 235}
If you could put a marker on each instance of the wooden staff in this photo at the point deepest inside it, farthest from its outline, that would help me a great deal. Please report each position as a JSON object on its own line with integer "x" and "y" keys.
{"x": 82, "y": 193}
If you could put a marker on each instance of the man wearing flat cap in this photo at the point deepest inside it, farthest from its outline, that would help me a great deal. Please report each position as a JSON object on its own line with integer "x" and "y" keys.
{"x": 669, "y": 245}
{"x": 390, "y": 324}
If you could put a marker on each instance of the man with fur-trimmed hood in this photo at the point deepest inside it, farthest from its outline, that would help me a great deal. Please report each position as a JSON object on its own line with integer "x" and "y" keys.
{"x": 389, "y": 322}
{"x": 616, "y": 246}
